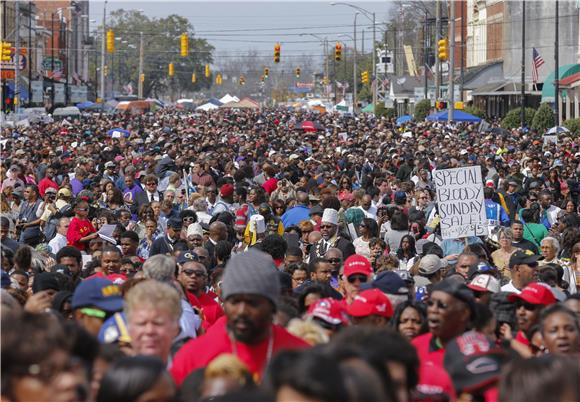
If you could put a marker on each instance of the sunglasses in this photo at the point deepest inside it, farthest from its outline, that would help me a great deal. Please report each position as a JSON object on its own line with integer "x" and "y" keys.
{"x": 527, "y": 306}
{"x": 326, "y": 226}
{"x": 357, "y": 277}
{"x": 192, "y": 272}
{"x": 188, "y": 219}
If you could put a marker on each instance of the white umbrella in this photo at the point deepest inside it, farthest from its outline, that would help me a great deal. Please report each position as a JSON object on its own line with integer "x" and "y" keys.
{"x": 558, "y": 130}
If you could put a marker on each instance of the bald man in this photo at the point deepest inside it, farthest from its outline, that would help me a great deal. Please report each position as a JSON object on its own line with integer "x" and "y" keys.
{"x": 217, "y": 231}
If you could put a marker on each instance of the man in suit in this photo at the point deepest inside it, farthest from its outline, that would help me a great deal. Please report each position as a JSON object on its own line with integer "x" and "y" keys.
{"x": 331, "y": 238}
{"x": 165, "y": 244}
{"x": 150, "y": 194}
{"x": 217, "y": 231}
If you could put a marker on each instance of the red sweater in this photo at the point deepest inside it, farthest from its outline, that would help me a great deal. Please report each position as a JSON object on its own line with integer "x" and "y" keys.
{"x": 201, "y": 351}
{"x": 210, "y": 309}
{"x": 433, "y": 379}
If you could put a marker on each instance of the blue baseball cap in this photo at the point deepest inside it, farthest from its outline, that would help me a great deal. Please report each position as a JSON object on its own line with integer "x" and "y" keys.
{"x": 388, "y": 282}
{"x": 115, "y": 330}
{"x": 99, "y": 293}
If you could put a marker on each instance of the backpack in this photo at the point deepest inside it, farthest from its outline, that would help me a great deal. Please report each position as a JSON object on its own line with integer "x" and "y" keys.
{"x": 52, "y": 224}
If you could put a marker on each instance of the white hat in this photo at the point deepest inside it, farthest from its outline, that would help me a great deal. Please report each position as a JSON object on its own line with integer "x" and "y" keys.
{"x": 430, "y": 264}
{"x": 330, "y": 216}
{"x": 257, "y": 224}
{"x": 194, "y": 229}
{"x": 484, "y": 283}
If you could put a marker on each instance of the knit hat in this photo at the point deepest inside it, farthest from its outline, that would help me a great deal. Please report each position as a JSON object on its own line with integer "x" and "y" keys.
{"x": 330, "y": 216}
{"x": 252, "y": 272}
{"x": 226, "y": 190}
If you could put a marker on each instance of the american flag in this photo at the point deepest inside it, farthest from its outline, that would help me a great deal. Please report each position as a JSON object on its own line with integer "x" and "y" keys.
{"x": 537, "y": 62}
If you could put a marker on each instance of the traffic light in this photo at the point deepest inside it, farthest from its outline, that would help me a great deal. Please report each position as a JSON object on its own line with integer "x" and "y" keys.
{"x": 110, "y": 41}
{"x": 277, "y": 53}
{"x": 459, "y": 105}
{"x": 106, "y": 72}
{"x": 184, "y": 45}
{"x": 440, "y": 105}
{"x": 338, "y": 51}
{"x": 207, "y": 71}
{"x": 266, "y": 72}
{"x": 141, "y": 77}
{"x": 171, "y": 70}
{"x": 6, "y": 53}
{"x": 218, "y": 79}
{"x": 193, "y": 78}
{"x": 364, "y": 77}
{"x": 297, "y": 72}
{"x": 442, "y": 49}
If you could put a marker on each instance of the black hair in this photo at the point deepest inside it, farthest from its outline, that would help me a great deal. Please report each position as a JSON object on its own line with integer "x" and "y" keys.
{"x": 69, "y": 251}
{"x": 418, "y": 307}
{"x": 308, "y": 290}
{"x": 295, "y": 252}
{"x": 313, "y": 374}
{"x": 544, "y": 378}
{"x": 191, "y": 388}
{"x": 331, "y": 202}
{"x": 274, "y": 245}
{"x": 111, "y": 249}
{"x": 372, "y": 227}
{"x": 223, "y": 251}
{"x": 399, "y": 221}
{"x": 397, "y": 349}
{"x": 129, "y": 234}
{"x": 557, "y": 308}
{"x": 129, "y": 378}
{"x": 188, "y": 213}
{"x": 313, "y": 264}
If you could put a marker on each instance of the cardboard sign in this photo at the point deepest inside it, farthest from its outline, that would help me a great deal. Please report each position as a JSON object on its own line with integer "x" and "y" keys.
{"x": 460, "y": 202}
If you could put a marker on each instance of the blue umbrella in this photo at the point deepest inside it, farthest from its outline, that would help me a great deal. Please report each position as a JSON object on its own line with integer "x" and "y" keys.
{"x": 404, "y": 119}
{"x": 118, "y": 132}
{"x": 84, "y": 105}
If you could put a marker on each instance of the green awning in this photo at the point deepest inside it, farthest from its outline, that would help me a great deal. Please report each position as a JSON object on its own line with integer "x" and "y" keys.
{"x": 563, "y": 72}
{"x": 370, "y": 108}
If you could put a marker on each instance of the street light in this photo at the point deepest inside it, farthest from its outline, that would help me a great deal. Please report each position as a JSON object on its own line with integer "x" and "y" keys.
{"x": 370, "y": 16}
{"x": 324, "y": 42}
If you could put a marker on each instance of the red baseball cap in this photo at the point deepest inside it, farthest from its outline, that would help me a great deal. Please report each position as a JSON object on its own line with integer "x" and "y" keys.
{"x": 226, "y": 190}
{"x": 328, "y": 310}
{"x": 535, "y": 293}
{"x": 357, "y": 264}
{"x": 370, "y": 302}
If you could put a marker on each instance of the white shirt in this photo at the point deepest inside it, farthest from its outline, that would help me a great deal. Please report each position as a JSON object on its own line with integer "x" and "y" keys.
{"x": 57, "y": 242}
{"x": 509, "y": 287}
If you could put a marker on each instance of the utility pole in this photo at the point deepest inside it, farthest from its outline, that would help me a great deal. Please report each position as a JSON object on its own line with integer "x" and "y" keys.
{"x": 523, "y": 67}
{"x": 29, "y": 53}
{"x": 52, "y": 59}
{"x": 425, "y": 56}
{"x": 354, "y": 73}
{"x": 462, "y": 46}
{"x": 17, "y": 60}
{"x": 451, "y": 86}
{"x": 374, "y": 79}
{"x": 140, "y": 85}
{"x": 437, "y": 38}
{"x": 103, "y": 54}
{"x": 557, "y": 67}
{"x": 67, "y": 65}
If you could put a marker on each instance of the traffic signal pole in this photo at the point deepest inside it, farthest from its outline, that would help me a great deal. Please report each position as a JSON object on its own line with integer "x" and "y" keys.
{"x": 140, "y": 86}
{"x": 103, "y": 54}
{"x": 17, "y": 59}
{"x": 437, "y": 38}
{"x": 451, "y": 36}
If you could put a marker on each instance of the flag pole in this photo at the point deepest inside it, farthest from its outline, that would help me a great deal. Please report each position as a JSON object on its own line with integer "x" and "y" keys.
{"x": 523, "y": 83}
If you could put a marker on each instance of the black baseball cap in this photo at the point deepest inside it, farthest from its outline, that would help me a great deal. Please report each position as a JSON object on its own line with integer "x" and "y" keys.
{"x": 522, "y": 257}
{"x": 458, "y": 290}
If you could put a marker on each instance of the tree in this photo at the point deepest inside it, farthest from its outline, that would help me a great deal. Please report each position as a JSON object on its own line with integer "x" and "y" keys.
{"x": 512, "y": 119}
{"x": 381, "y": 111}
{"x": 475, "y": 111}
{"x": 573, "y": 125}
{"x": 161, "y": 46}
{"x": 544, "y": 118}
{"x": 422, "y": 109}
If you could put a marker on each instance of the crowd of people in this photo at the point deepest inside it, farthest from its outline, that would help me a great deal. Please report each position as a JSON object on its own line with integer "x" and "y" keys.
{"x": 232, "y": 256}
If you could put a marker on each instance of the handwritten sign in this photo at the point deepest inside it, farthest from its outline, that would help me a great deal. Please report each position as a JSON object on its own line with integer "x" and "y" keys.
{"x": 460, "y": 202}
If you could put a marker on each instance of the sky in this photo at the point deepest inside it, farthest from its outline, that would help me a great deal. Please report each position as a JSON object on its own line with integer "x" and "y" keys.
{"x": 238, "y": 26}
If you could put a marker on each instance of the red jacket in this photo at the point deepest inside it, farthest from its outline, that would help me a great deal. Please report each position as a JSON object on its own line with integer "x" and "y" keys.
{"x": 78, "y": 229}
{"x": 433, "y": 379}
{"x": 199, "y": 352}
{"x": 44, "y": 184}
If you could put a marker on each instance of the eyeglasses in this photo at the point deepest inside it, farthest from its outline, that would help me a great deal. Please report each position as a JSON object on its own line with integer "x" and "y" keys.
{"x": 326, "y": 226}
{"x": 151, "y": 183}
{"x": 334, "y": 260}
{"x": 527, "y": 306}
{"x": 361, "y": 278}
{"x": 192, "y": 272}
{"x": 438, "y": 303}
{"x": 82, "y": 209}
{"x": 188, "y": 219}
